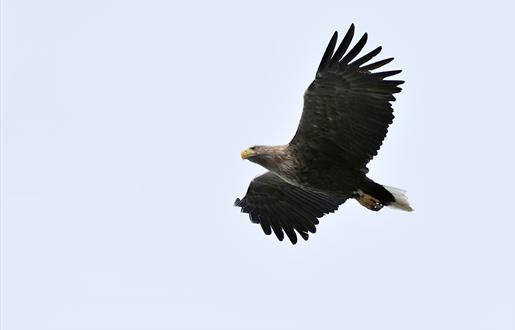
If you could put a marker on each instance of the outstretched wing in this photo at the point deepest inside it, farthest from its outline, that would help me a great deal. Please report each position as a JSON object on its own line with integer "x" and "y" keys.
{"x": 284, "y": 208}
{"x": 347, "y": 108}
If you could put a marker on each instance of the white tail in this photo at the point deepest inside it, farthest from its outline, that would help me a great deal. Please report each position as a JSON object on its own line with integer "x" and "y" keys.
{"x": 401, "y": 201}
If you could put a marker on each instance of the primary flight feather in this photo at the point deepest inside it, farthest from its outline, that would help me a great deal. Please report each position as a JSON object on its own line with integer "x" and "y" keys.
{"x": 347, "y": 111}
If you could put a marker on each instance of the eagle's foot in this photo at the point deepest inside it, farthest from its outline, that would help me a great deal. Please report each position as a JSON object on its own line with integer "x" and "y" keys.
{"x": 368, "y": 201}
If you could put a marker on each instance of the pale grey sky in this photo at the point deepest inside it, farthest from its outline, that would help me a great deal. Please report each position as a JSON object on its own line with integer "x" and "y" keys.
{"x": 122, "y": 123}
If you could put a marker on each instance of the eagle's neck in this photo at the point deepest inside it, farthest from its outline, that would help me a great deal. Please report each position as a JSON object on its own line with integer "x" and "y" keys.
{"x": 278, "y": 159}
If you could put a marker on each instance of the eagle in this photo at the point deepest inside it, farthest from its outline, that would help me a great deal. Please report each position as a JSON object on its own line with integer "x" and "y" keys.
{"x": 346, "y": 114}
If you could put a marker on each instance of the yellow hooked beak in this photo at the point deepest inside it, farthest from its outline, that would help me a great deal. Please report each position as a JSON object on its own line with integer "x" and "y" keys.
{"x": 247, "y": 153}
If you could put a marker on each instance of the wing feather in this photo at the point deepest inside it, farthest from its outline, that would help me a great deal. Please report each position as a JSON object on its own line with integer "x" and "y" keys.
{"x": 354, "y": 51}
{"x": 326, "y": 58}
{"x": 344, "y": 45}
{"x": 376, "y": 65}
{"x": 367, "y": 57}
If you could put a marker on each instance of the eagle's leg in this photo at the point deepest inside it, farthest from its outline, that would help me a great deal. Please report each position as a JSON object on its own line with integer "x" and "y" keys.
{"x": 368, "y": 201}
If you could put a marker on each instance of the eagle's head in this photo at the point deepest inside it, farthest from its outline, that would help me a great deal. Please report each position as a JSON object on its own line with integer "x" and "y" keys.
{"x": 270, "y": 157}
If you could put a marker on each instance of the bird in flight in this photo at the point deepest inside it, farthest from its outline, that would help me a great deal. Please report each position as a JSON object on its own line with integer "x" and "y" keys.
{"x": 347, "y": 111}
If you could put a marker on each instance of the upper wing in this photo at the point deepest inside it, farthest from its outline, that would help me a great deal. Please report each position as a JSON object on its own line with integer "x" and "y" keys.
{"x": 347, "y": 108}
{"x": 279, "y": 206}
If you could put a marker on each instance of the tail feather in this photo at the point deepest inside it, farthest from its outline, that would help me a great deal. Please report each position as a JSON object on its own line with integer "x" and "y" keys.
{"x": 374, "y": 196}
{"x": 401, "y": 200}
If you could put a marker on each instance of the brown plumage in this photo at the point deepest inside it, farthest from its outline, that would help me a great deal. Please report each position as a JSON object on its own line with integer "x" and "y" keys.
{"x": 347, "y": 111}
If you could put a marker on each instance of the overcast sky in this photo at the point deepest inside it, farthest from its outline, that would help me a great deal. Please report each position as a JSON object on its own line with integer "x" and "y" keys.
{"x": 122, "y": 123}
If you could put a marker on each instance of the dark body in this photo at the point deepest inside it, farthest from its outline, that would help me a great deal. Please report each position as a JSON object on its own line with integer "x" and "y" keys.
{"x": 316, "y": 171}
